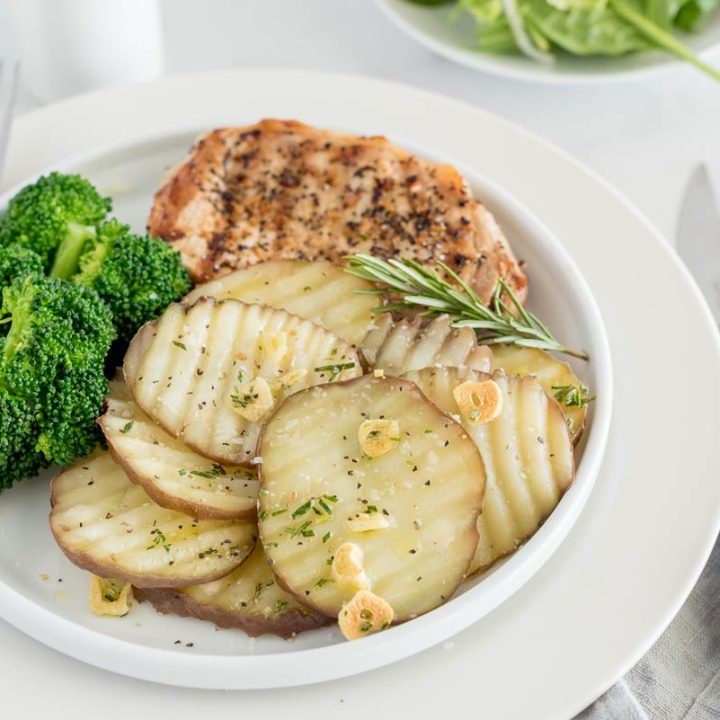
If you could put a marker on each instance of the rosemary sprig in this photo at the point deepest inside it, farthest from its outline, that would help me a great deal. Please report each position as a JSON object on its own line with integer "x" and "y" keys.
{"x": 422, "y": 287}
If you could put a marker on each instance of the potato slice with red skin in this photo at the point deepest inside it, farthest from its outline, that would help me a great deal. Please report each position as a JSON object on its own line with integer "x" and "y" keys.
{"x": 527, "y": 452}
{"x": 172, "y": 474}
{"x": 109, "y": 526}
{"x": 183, "y": 367}
{"x": 550, "y": 372}
{"x": 400, "y": 346}
{"x": 317, "y": 291}
{"x": 248, "y": 599}
{"x": 315, "y": 481}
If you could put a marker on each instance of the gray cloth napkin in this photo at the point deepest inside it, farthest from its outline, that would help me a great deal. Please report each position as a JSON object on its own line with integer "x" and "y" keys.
{"x": 680, "y": 675}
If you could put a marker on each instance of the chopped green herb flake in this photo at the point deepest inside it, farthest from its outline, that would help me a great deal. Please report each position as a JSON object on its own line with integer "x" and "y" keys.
{"x": 300, "y": 511}
{"x": 302, "y": 529}
{"x": 158, "y": 539}
{"x": 335, "y": 370}
{"x": 177, "y": 343}
{"x": 572, "y": 395}
{"x": 128, "y": 427}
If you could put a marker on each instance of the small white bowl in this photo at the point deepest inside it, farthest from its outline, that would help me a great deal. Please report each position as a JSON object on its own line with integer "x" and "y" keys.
{"x": 430, "y": 26}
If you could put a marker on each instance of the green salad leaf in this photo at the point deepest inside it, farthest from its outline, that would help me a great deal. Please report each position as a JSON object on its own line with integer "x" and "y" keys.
{"x": 580, "y": 31}
{"x": 541, "y": 28}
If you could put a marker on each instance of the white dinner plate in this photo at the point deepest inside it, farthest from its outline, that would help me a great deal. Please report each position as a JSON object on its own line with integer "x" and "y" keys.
{"x": 636, "y": 550}
{"x": 455, "y": 39}
{"x": 130, "y": 173}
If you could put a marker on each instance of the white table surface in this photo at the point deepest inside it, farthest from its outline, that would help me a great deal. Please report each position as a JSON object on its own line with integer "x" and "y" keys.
{"x": 645, "y": 138}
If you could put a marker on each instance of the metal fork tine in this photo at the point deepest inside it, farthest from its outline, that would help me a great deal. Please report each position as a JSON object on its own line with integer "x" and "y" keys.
{"x": 8, "y": 88}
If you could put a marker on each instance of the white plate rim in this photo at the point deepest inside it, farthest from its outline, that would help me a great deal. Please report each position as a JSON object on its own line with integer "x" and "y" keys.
{"x": 345, "y": 659}
{"x": 493, "y": 65}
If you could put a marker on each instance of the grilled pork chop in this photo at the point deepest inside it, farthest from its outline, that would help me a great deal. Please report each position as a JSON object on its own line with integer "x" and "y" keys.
{"x": 284, "y": 190}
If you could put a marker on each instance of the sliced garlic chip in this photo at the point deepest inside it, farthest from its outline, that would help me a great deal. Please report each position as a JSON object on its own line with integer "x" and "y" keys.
{"x": 284, "y": 382}
{"x": 365, "y": 614}
{"x": 365, "y": 522}
{"x": 479, "y": 402}
{"x": 272, "y": 345}
{"x": 378, "y": 437}
{"x": 252, "y": 400}
{"x": 347, "y": 567}
{"x": 109, "y": 598}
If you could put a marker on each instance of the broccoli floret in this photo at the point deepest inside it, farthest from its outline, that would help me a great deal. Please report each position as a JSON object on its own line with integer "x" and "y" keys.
{"x": 52, "y": 370}
{"x": 18, "y": 435}
{"x": 138, "y": 276}
{"x": 16, "y": 262}
{"x": 55, "y": 217}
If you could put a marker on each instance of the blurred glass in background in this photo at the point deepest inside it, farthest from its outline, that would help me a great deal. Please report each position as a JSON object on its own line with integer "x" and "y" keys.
{"x": 69, "y": 46}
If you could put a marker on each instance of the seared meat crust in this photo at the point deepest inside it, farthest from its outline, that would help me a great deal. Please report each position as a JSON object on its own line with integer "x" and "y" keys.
{"x": 284, "y": 190}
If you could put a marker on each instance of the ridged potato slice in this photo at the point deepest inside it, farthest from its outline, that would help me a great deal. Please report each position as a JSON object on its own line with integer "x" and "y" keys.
{"x": 249, "y": 599}
{"x": 184, "y": 369}
{"x": 109, "y": 526}
{"x": 527, "y": 452}
{"x": 172, "y": 474}
{"x": 410, "y": 512}
{"x": 317, "y": 291}
{"x": 398, "y": 347}
{"x": 552, "y": 374}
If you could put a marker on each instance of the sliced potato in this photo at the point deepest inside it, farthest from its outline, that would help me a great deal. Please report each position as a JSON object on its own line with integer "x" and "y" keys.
{"x": 107, "y": 525}
{"x": 552, "y": 374}
{"x": 249, "y": 599}
{"x": 172, "y": 474}
{"x": 527, "y": 452}
{"x": 317, "y": 291}
{"x": 316, "y": 483}
{"x": 398, "y": 347}
{"x": 186, "y": 369}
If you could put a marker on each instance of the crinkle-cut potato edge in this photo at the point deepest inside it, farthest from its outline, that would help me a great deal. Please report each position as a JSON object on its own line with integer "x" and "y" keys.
{"x": 428, "y": 490}
{"x": 527, "y": 452}
{"x": 399, "y": 346}
{"x": 186, "y": 368}
{"x": 172, "y": 474}
{"x": 549, "y": 372}
{"x": 268, "y": 608}
{"x": 318, "y": 291}
{"x": 107, "y": 525}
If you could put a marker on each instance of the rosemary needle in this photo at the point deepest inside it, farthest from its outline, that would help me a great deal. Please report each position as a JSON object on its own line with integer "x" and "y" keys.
{"x": 418, "y": 286}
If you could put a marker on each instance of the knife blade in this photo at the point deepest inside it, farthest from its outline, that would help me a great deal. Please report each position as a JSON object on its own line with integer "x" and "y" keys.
{"x": 698, "y": 236}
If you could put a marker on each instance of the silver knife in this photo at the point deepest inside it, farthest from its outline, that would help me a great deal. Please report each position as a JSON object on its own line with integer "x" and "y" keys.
{"x": 698, "y": 236}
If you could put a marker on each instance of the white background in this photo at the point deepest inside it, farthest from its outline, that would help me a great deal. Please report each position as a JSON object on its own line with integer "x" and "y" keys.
{"x": 644, "y": 137}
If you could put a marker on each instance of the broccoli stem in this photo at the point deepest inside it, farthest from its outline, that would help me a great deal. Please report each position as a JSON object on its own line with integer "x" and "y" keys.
{"x": 19, "y": 309}
{"x": 68, "y": 254}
